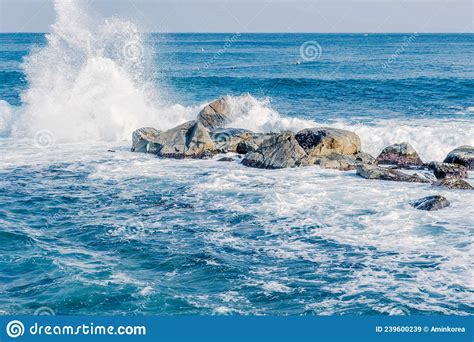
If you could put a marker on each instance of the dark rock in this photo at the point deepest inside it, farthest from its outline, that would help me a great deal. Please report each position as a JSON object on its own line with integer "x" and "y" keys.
{"x": 463, "y": 155}
{"x": 381, "y": 173}
{"x": 252, "y": 145}
{"x": 402, "y": 155}
{"x": 447, "y": 170}
{"x": 323, "y": 141}
{"x": 453, "y": 183}
{"x": 277, "y": 152}
{"x": 216, "y": 114}
{"x": 225, "y": 159}
{"x": 430, "y": 203}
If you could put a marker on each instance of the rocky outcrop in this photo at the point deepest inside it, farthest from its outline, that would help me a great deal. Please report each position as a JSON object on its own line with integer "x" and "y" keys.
{"x": 277, "y": 152}
{"x": 402, "y": 155}
{"x": 447, "y": 170}
{"x": 216, "y": 114}
{"x": 323, "y": 141}
{"x": 189, "y": 140}
{"x": 382, "y": 173}
{"x": 143, "y": 138}
{"x": 342, "y": 162}
{"x": 463, "y": 155}
{"x": 453, "y": 183}
{"x": 430, "y": 203}
{"x": 227, "y": 139}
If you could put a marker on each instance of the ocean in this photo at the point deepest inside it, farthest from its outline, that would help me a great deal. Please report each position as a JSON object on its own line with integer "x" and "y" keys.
{"x": 89, "y": 228}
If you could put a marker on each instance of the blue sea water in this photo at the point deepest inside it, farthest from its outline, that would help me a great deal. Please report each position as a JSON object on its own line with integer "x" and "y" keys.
{"x": 87, "y": 231}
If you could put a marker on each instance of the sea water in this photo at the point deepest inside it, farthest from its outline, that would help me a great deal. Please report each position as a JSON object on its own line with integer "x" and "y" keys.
{"x": 87, "y": 227}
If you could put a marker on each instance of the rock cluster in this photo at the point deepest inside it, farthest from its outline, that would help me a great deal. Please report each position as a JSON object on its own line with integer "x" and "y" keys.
{"x": 330, "y": 148}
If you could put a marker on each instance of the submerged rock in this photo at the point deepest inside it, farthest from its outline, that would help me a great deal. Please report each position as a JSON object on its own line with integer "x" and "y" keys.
{"x": 324, "y": 141}
{"x": 463, "y": 155}
{"x": 381, "y": 173}
{"x": 277, "y": 152}
{"x": 343, "y": 162}
{"x": 447, "y": 170}
{"x": 216, "y": 114}
{"x": 453, "y": 183}
{"x": 142, "y": 138}
{"x": 430, "y": 203}
{"x": 403, "y": 155}
{"x": 225, "y": 159}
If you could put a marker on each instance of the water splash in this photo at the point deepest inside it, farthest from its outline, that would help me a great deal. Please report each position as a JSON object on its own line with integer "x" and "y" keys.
{"x": 88, "y": 82}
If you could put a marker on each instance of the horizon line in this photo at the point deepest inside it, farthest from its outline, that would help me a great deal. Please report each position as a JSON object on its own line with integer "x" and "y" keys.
{"x": 272, "y": 32}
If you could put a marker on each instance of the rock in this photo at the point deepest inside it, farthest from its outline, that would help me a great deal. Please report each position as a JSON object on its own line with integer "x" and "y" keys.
{"x": 142, "y": 138}
{"x": 343, "y": 162}
{"x": 228, "y": 139}
{"x": 430, "y": 203}
{"x": 189, "y": 140}
{"x": 447, "y": 170}
{"x": 323, "y": 141}
{"x": 463, "y": 155}
{"x": 225, "y": 159}
{"x": 453, "y": 183}
{"x": 252, "y": 145}
{"x": 403, "y": 155}
{"x": 381, "y": 173}
{"x": 277, "y": 152}
{"x": 216, "y": 114}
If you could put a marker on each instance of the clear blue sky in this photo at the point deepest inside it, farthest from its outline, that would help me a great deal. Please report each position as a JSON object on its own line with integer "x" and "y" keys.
{"x": 259, "y": 15}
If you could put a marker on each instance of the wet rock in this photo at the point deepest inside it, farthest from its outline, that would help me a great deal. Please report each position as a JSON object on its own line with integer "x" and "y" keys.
{"x": 189, "y": 140}
{"x": 228, "y": 139}
{"x": 447, "y": 170}
{"x": 143, "y": 137}
{"x": 381, "y": 173}
{"x": 216, "y": 114}
{"x": 463, "y": 155}
{"x": 277, "y": 152}
{"x": 225, "y": 159}
{"x": 343, "y": 162}
{"x": 454, "y": 183}
{"x": 402, "y": 155}
{"x": 430, "y": 203}
{"x": 324, "y": 141}
{"x": 252, "y": 145}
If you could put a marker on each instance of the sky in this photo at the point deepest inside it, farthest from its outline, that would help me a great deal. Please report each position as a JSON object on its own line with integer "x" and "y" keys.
{"x": 258, "y": 15}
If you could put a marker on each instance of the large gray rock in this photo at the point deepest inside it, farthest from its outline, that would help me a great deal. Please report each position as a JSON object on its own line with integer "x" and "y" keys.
{"x": 189, "y": 140}
{"x": 403, "y": 155}
{"x": 447, "y": 170}
{"x": 143, "y": 138}
{"x": 342, "y": 162}
{"x": 463, "y": 155}
{"x": 453, "y": 183}
{"x": 382, "y": 173}
{"x": 252, "y": 145}
{"x": 430, "y": 203}
{"x": 277, "y": 152}
{"x": 216, "y": 114}
{"x": 227, "y": 139}
{"x": 322, "y": 141}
